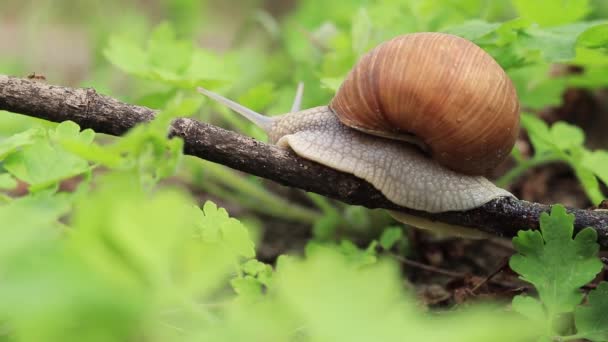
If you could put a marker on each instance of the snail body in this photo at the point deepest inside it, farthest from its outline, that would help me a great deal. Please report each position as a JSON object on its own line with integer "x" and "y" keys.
{"x": 369, "y": 134}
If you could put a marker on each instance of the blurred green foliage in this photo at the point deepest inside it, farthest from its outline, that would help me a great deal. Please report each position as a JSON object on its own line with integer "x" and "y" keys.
{"x": 122, "y": 256}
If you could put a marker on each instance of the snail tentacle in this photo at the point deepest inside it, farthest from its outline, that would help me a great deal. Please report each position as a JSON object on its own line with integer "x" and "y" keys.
{"x": 262, "y": 121}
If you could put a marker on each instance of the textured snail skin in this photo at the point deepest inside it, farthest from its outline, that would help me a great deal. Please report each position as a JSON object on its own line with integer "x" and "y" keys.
{"x": 400, "y": 171}
{"x": 444, "y": 90}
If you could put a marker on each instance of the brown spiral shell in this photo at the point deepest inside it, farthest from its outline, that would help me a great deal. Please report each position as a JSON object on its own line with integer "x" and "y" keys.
{"x": 444, "y": 90}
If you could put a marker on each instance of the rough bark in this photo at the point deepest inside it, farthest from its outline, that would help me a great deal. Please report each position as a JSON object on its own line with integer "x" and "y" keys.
{"x": 502, "y": 217}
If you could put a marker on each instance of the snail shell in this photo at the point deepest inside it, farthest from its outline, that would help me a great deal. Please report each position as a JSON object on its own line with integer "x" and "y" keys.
{"x": 441, "y": 91}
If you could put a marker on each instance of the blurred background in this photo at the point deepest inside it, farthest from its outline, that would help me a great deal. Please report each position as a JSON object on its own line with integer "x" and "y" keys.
{"x": 151, "y": 52}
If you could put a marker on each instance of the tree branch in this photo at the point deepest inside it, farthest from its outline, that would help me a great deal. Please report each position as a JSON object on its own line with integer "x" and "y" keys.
{"x": 502, "y": 217}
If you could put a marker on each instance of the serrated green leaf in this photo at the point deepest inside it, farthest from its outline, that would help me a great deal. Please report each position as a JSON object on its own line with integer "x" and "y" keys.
{"x": 554, "y": 263}
{"x": 356, "y": 255}
{"x": 564, "y": 142}
{"x": 551, "y": 12}
{"x": 247, "y": 287}
{"x": 216, "y": 225}
{"x": 390, "y": 236}
{"x": 171, "y": 61}
{"x": 254, "y": 267}
{"x": 591, "y": 319}
{"x": 261, "y": 271}
{"x": 69, "y": 131}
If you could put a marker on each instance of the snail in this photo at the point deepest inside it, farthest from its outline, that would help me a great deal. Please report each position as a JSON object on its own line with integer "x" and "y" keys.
{"x": 422, "y": 117}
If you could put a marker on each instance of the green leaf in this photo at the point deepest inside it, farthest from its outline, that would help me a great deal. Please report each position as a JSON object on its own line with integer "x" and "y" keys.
{"x": 535, "y": 89}
{"x": 357, "y": 217}
{"x": 390, "y": 236}
{"x": 325, "y": 227}
{"x": 589, "y": 182}
{"x": 359, "y": 256}
{"x": 591, "y": 319}
{"x": 95, "y": 153}
{"x": 7, "y": 182}
{"x": 369, "y": 304}
{"x": 361, "y": 31}
{"x": 557, "y": 44}
{"x": 539, "y": 133}
{"x": 332, "y": 83}
{"x": 473, "y": 29}
{"x": 147, "y": 241}
{"x": 127, "y": 56}
{"x": 247, "y": 287}
{"x": 355, "y": 255}
{"x": 530, "y": 307}
{"x": 566, "y": 136}
{"x": 565, "y": 142}
{"x": 212, "y": 69}
{"x": 597, "y": 162}
{"x": 254, "y": 267}
{"x": 14, "y": 142}
{"x": 216, "y": 225}
{"x": 166, "y": 52}
{"x": 594, "y": 37}
{"x": 258, "y": 97}
{"x": 170, "y": 61}
{"x": 29, "y": 221}
{"x": 42, "y": 165}
{"x": 69, "y": 130}
{"x": 46, "y": 162}
{"x": 554, "y": 263}
{"x": 551, "y": 12}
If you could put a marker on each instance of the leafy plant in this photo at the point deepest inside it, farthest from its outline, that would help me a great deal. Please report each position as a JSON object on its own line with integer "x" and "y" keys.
{"x": 558, "y": 266}
{"x": 95, "y": 246}
{"x": 562, "y": 142}
{"x": 127, "y": 260}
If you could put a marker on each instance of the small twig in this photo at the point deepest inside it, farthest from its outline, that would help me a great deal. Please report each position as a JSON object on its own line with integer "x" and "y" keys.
{"x": 419, "y": 265}
{"x": 487, "y": 279}
{"x": 502, "y": 217}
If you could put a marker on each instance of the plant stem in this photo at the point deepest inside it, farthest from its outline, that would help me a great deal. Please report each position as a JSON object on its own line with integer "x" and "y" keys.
{"x": 522, "y": 167}
{"x": 322, "y": 203}
{"x": 255, "y": 197}
{"x": 571, "y": 337}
